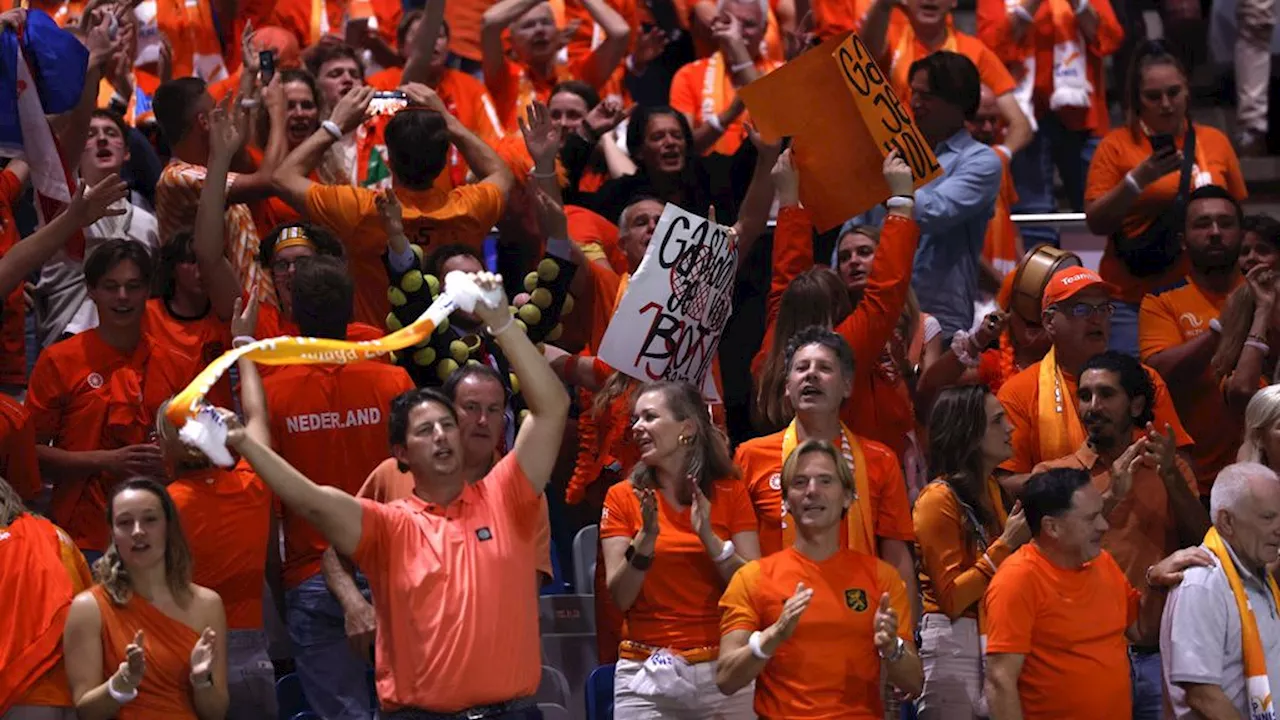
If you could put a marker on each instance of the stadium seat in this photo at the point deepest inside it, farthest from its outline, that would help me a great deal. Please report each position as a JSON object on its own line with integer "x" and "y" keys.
{"x": 584, "y": 559}
{"x": 554, "y": 687}
{"x": 600, "y": 693}
{"x": 557, "y": 586}
{"x": 552, "y": 711}
{"x": 289, "y": 697}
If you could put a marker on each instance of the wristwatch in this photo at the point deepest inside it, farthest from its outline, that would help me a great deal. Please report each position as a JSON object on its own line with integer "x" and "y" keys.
{"x": 638, "y": 561}
{"x": 203, "y": 680}
{"x": 898, "y": 651}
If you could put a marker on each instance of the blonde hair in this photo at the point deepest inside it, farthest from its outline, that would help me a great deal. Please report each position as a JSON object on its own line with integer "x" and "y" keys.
{"x": 1260, "y": 416}
{"x": 110, "y": 569}
{"x": 843, "y": 471}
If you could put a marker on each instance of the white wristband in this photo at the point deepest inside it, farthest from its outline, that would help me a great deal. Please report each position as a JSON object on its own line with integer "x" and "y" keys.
{"x": 714, "y": 121}
{"x": 900, "y": 201}
{"x": 505, "y": 327}
{"x": 1132, "y": 182}
{"x": 753, "y": 642}
{"x": 726, "y": 551}
{"x": 121, "y": 698}
{"x": 242, "y": 340}
{"x": 1003, "y": 150}
{"x": 1021, "y": 12}
{"x": 1216, "y": 325}
{"x": 332, "y": 128}
{"x": 1082, "y": 7}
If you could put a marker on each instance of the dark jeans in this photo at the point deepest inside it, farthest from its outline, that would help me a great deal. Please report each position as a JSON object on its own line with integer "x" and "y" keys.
{"x": 1054, "y": 146}
{"x": 532, "y": 713}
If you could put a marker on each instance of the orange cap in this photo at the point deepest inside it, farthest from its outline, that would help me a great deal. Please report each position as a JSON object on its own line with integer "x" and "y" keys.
{"x": 1069, "y": 281}
{"x": 281, "y": 42}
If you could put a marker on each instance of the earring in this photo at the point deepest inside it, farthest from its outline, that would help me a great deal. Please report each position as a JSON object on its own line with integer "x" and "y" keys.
{"x": 686, "y": 439}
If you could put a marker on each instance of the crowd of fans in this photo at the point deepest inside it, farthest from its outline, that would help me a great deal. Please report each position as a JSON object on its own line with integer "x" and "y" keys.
{"x": 1065, "y": 507}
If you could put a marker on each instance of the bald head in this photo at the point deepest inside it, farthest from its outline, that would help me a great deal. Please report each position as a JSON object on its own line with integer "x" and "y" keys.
{"x": 1245, "y": 509}
{"x": 985, "y": 125}
{"x": 1237, "y": 484}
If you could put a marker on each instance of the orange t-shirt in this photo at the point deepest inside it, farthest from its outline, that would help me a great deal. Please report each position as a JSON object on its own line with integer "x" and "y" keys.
{"x": 952, "y": 579}
{"x": 1118, "y": 153}
{"x": 465, "y": 20}
{"x": 1020, "y": 397}
{"x": 760, "y": 460}
{"x": 431, "y": 218}
{"x": 329, "y": 422}
{"x": 991, "y": 71}
{"x": 13, "y": 339}
{"x": 704, "y": 87}
{"x": 19, "y": 465}
{"x": 188, "y": 25}
{"x": 455, "y": 602}
{"x": 87, "y": 395}
{"x": 1070, "y": 625}
{"x": 226, "y": 515}
{"x": 270, "y": 213}
{"x": 1143, "y": 531}
{"x": 676, "y": 607}
{"x": 516, "y": 87}
{"x": 178, "y": 199}
{"x": 43, "y": 571}
{"x": 830, "y": 667}
{"x": 996, "y": 30}
{"x": 296, "y": 17}
{"x": 1166, "y": 321}
{"x": 387, "y": 484}
{"x": 203, "y": 339}
{"x": 165, "y": 691}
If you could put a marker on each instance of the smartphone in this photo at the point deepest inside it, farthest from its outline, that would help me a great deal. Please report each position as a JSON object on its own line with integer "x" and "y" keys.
{"x": 388, "y": 102}
{"x": 1161, "y": 143}
{"x": 266, "y": 65}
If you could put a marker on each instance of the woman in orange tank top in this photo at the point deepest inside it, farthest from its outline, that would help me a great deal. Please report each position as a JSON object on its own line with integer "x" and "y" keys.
{"x": 146, "y": 643}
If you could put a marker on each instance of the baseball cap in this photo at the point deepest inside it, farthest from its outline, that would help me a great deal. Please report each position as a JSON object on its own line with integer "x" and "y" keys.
{"x": 1067, "y": 282}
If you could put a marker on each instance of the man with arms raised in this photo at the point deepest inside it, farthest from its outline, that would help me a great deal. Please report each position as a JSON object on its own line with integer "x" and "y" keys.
{"x": 461, "y": 626}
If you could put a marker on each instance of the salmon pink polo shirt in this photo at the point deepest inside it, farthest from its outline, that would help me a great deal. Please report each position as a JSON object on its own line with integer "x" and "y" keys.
{"x": 456, "y": 603}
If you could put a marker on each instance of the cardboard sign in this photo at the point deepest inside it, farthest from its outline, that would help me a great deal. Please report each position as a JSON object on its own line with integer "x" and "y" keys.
{"x": 844, "y": 118}
{"x": 669, "y": 322}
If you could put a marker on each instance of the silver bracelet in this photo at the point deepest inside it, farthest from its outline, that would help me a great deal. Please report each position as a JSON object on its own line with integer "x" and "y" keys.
{"x": 897, "y": 653}
{"x": 1258, "y": 345}
{"x": 505, "y": 327}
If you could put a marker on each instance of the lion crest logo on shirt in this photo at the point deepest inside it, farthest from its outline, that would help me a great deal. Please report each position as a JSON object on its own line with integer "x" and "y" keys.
{"x": 856, "y": 599}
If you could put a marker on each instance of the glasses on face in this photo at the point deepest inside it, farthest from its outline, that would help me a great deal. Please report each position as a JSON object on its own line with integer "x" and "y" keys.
{"x": 282, "y": 265}
{"x": 1085, "y": 310}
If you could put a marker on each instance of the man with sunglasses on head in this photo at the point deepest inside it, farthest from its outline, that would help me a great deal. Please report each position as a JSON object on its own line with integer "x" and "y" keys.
{"x": 1076, "y": 310}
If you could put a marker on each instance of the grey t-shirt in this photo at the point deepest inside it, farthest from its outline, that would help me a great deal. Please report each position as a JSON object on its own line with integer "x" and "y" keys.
{"x": 1200, "y": 636}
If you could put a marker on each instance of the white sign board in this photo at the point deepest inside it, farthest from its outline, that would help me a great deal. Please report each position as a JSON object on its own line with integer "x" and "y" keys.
{"x": 669, "y": 322}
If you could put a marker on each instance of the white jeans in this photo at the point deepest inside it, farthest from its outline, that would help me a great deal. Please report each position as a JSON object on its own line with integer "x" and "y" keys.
{"x": 1255, "y": 21}
{"x": 952, "y": 658}
{"x": 710, "y": 704}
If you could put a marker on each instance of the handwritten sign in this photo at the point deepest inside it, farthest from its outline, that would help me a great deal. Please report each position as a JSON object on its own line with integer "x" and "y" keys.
{"x": 840, "y": 150}
{"x": 669, "y": 322}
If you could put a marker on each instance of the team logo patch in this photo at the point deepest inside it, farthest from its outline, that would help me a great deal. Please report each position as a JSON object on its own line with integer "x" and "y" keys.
{"x": 775, "y": 482}
{"x": 484, "y": 534}
{"x": 94, "y": 380}
{"x": 856, "y": 599}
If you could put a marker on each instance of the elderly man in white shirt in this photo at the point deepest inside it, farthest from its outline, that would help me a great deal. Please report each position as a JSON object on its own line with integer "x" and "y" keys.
{"x": 1203, "y": 638}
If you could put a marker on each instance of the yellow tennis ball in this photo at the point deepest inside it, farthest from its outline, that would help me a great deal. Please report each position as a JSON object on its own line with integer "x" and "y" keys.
{"x": 515, "y": 382}
{"x": 395, "y": 297}
{"x": 443, "y": 327}
{"x": 433, "y": 284}
{"x": 512, "y": 309}
{"x": 417, "y": 250}
{"x": 459, "y": 351}
{"x": 393, "y": 322}
{"x": 554, "y": 335}
{"x": 568, "y": 305}
{"x": 425, "y": 356}
{"x": 412, "y": 281}
{"x": 541, "y": 297}
{"x": 524, "y": 415}
{"x": 548, "y": 270}
{"x": 473, "y": 363}
{"x": 445, "y": 368}
{"x": 530, "y": 281}
{"x": 530, "y": 314}
{"x": 520, "y": 324}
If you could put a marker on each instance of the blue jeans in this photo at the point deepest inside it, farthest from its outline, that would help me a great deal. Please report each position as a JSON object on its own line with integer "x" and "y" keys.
{"x": 1124, "y": 328}
{"x": 334, "y": 680}
{"x": 1148, "y": 685}
{"x": 251, "y": 678}
{"x": 1054, "y": 146}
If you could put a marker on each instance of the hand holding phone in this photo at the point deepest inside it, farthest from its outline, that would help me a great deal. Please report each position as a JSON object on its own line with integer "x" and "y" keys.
{"x": 266, "y": 66}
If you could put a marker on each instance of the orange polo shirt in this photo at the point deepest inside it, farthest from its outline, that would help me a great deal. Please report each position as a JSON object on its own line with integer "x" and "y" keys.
{"x": 952, "y": 578}
{"x": 87, "y": 395}
{"x": 465, "y": 20}
{"x": 1166, "y": 321}
{"x": 454, "y": 598}
{"x": 1121, "y": 151}
{"x": 830, "y": 667}
{"x": 19, "y": 465}
{"x": 431, "y": 218}
{"x": 676, "y": 607}
{"x": 329, "y": 422}
{"x": 13, "y": 343}
{"x": 704, "y": 87}
{"x": 516, "y": 87}
{"x": 387, "y": 484}
{"x": 1070, "y": 625}
{"x": 760, "y": 460}
{"x": 904, "y": 48}
{"x": 1020, "y": 396}
{"x": 1143, "y": 532}
{"x": 226, "y": 515}
{"x": 995, "y": 29}
{"x": 203, "y": 339}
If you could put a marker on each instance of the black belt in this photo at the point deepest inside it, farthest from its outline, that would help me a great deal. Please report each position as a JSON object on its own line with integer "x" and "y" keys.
{"x": 479, "y": 712}
{"x": 1144, "y": 649}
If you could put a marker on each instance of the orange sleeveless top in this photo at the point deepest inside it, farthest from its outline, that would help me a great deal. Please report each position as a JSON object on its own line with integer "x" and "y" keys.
{"x": 166, "y": 687}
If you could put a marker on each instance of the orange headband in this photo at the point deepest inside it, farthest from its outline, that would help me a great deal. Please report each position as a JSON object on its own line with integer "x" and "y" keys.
{"x": 294, "y": 237}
